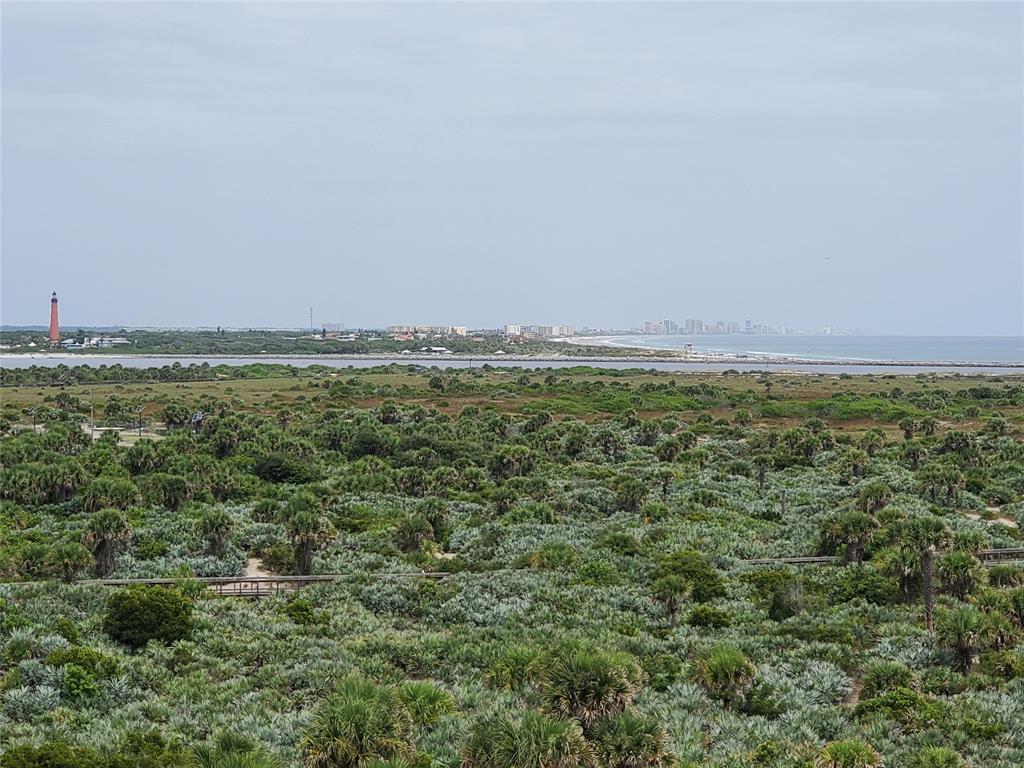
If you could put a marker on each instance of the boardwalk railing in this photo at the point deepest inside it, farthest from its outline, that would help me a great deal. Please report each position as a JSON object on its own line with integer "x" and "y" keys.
{"x": 261, "y": 586}
{"x": 988, "y": 557}
{"x": 792, "y": 561}
{"x": 1000, "y": 555}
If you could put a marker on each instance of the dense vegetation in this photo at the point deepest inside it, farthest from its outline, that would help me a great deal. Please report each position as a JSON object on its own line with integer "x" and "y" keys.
{"x": 593, "y": 525}
{"x": 254, "y": 342}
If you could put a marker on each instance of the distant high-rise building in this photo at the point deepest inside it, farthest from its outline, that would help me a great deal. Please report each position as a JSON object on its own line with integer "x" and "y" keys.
{"x": 54, "y": 322}
{"x": 746, "y": 327}
{"x": 513, "y": 329}
{"x": 655, "y": 327}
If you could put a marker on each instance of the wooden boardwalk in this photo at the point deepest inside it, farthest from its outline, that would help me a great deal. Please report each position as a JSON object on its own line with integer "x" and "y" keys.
{"x": 262, "y": 586}
{"x": 265, "y": 586}
{"x": 988, "y": 557}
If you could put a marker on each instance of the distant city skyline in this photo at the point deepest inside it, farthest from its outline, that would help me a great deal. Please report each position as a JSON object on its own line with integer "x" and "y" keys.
{"x": 204, "y": 164}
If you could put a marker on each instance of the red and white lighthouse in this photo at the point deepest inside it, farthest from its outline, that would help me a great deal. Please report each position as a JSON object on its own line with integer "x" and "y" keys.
{"x": 54, "y": 323}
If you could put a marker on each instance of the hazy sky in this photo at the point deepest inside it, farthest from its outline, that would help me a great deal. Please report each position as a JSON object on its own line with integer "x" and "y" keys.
{"x": 478, "y": 164}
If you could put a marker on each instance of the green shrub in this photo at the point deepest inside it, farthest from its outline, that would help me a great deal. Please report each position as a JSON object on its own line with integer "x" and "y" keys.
{"x": 535, "y": 741}
{"x": 708, "y": 616}
{"x": 937, "y": 757}
{"x": 301, "y": 611}
{"x": 597, "y": 573}
{"x": 279, "y": 558}
{"x": 98, "y": 663}
{"x": 787, "y": 600}
{"x": 695, "y": 569}
{"x": 620, "y": 542}
{"x": 725, "y": 673}
{"x": 863, "y": 582}
{"x": 1006, "y": 575}
{"x": 662, "y": 670}
{"x": 849, "y": 753}
{"x": 883, "y": 676}
{"x": 902, "y": 705}
{"x": 1007, "y": 665}
{"x": 516, "y": 666}
{"x": 552, "y": 555}
{"x": 589, "y": 686}
{"x": 80, "y": 683}
{"x": 426, "y": 702}
{"x": 282, "y": 468}
{"x": 358, "y": 722}
{"x": 413, "y": 532}
{"x": 141, "y": 613}
{"x": 50, "y": 755}
{"x": 632, "y": 741}
{"x": 764, "y": 700}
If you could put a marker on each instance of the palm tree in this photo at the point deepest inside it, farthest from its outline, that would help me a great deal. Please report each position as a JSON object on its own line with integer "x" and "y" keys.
{"x": 931, "y": 478}
{"x": 665, "y": 476}
{"x": 725, "y": 673}
{"x": 308, "y": 530}
{"x": 960, "y": 574}
{"x": 358, "y": 723}
{"x": 68, "y": 559}
{"x": 961, "y": 630}
{"x": 669, "y": 590}
{"x": 873, "y": 440}
{"x": 216, "y": 526}
{"x": 908, "y": 424}
{"x": 630, "y": 492}
{"x": 590, "y": 686}
{"x": 536, "y": 741}
{"x": 761, "y": 464}
{"x": 413, "y": 532}
{"x": 914, "y": 452}
{"x": 857, "y": 460}
{"x": 853, "y": 530}
{"x": 632, "y": 741}
{"x": 874, "y": 495}
{"x": 667, "y": 449}
{"x": 953, "y": 480}
{"x": 928, "y": 536}
{"x": 107, "y": 530}
{"x": 904, "y": 565}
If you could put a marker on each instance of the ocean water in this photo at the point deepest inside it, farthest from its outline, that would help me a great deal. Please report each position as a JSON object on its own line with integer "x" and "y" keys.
{"x": 968, "y": 349}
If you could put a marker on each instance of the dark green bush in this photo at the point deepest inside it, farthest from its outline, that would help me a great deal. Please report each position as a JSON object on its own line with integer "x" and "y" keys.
{"x": 301, "y": 611}
{"x": 662, "y": 670}
{"x": 902, "y": 705}
{"x": 708, "y": 616}
{"x": 90, "y": 659}
{"x": 142, "y": 613}
{"x": 883, "y": 676}
{"x": 705, "y": 582}
{"x": 282, "y": 468}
